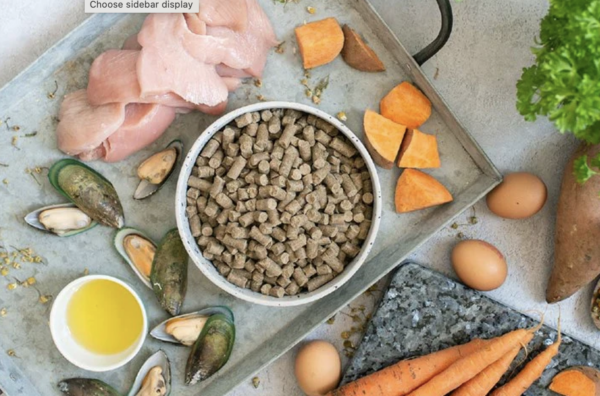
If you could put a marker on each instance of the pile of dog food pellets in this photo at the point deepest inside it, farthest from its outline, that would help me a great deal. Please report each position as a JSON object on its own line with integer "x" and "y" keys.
{"x": 280, "y": 202}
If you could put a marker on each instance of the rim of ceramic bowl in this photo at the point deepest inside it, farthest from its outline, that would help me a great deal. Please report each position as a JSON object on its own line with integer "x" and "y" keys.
{"x": 66, "y": 294}
{"x": 206, "y": 266}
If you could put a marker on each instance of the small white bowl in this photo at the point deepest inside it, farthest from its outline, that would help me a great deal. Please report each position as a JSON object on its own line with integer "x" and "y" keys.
{"x": 209, "y": 270}
{"x": 68, "y": 346}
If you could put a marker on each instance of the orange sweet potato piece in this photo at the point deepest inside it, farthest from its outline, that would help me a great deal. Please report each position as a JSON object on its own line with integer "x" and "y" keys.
{"x": 320, "y": 42}
{"x": 417, "y": 190}
{"x": 382, "y": 138}
{"x": 358, "y": 54}
{"x": 406, "y": 105}
{"x": 419, "y": 150}
{"x": 576, "y": 381}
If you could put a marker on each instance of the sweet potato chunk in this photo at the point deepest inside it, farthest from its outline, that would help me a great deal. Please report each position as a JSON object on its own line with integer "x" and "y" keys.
{"x": 576, "y": 381}
{"x": 417, "y": 190}
{"x": 320, "y": 42}
{"x": 406, "y": 105}
{"x": 419, "y": 150}
{"x": 383, "y": 138}
{"x": 358, "y": 54}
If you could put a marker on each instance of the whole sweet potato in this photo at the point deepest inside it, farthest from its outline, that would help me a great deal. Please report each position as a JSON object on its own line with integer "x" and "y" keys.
{"x": 577, "y": 239}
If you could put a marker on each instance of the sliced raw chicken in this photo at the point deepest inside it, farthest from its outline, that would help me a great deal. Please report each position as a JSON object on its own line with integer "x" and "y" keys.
{"x": 195, "y": 24}
{"x": 113, "y": 78}
{"x": 132, "y": 43}
{"x": 226, "y": 71}
{"x": 232, "y": 83}
{"x": 252, "y": 45}
{"x": 83, "y": 127}
{"x": 173, "y": 59}
{"x": 232, "y": 14}
{"x": 144, "y": 123}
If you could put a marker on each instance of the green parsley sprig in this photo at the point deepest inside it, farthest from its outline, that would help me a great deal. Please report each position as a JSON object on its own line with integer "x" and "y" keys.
{"x": 564, "y": 82}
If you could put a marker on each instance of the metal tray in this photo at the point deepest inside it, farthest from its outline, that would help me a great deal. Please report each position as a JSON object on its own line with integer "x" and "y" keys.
{"x": 263, "y": 333}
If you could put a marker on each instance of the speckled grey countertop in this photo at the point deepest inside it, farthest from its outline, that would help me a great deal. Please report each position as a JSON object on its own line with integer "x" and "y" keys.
{"x": 476, "y": 73}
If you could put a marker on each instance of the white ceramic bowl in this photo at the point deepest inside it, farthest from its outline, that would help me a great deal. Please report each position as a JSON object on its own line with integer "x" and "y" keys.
{"x": 74, "y": 352}
{"x": 209, "y": 270}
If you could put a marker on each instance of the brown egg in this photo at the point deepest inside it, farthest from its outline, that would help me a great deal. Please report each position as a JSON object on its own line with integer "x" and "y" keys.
{"x": 519, "y": 196}
{"x": 479, "y": 265}
{"x": 318, "y": 368}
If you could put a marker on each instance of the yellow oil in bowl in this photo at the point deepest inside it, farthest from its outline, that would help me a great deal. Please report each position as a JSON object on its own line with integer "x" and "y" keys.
{"x": 104, "y": 317}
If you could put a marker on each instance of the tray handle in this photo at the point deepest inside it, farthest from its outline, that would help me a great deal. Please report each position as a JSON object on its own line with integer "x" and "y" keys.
{"x": 447, "y": 21}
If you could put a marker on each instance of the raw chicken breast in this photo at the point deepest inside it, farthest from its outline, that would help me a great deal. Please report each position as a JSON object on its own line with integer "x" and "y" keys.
{"x": 226, "y": 71}
{"x": 173, "y": 59}
{"x": 253, "y": 44}
{"x": 113, "y": 78}
{"x": 83, "y": 127}
{"x": 232, "y": 14}
{"x": 132, "y": 43}
{"x": 144, "y": 123}
{"x": 195, "y": 24}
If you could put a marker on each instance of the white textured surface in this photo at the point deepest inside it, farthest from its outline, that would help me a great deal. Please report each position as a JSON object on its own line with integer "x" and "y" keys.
{"x": 477, "y": 73}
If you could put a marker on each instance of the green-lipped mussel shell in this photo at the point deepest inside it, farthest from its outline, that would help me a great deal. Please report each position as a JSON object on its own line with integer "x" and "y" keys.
{"x": 89, "y": 190}
{"x": 160, "y": 333}
{"x": 169, "y": 272}
{"x": 211, "y": 350}
{"x": 86, "y": 387}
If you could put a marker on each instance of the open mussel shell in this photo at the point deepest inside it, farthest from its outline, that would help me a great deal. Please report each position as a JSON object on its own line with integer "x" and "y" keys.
{"x": 155, "y": 170}
{"x": 86, "y": 387}
{"x": 138, "y": 250}
{"x": 211, "y": 350}
{"x": 161, "y": 333}
{"x": 154, "y": 378}
{"x": 169, "y": 272}
{"x": 63, "y": 220}
{"x": 88, "y": 190}
{"x": 595, "y": 306}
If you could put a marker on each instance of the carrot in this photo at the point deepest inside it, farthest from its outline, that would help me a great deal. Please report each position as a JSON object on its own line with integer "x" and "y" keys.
{"x": 576, "y": 381}
{"x": 531, "y": 372}
{"x": 483, "y": 382}
{"x": 406, "y": 375}
{"x": 468, "y": 367}
{"x": 383, "y": 138}
{"x": 419, "y": 150}
{"x": 406, "y": 105}
{"x": 320, "y": 42}
{"x": 417, "y": 190}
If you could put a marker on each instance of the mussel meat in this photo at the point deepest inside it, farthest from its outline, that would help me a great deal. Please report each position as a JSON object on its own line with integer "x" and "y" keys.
{"x": 169, "y": 272}
{"x": 185, "y": 329}
{"x": 155, "y": 170}
{"x": 89, "y": 190}
{"x": 154, "y": 378}
{"x": 62, "y": 220}
{"x": 138, "y": 250}
{"x": 86, "y": 387}
{"x": 211, "y": 350}
{"x": 154, "y": 383}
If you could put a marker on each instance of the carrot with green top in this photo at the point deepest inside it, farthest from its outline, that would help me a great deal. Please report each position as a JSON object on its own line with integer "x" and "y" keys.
{"x": 481, "y": 384}
{"x": 401, "y": 378}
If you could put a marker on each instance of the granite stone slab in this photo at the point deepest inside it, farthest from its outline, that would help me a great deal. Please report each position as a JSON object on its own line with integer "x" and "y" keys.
{"x": 423, "y": 312}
